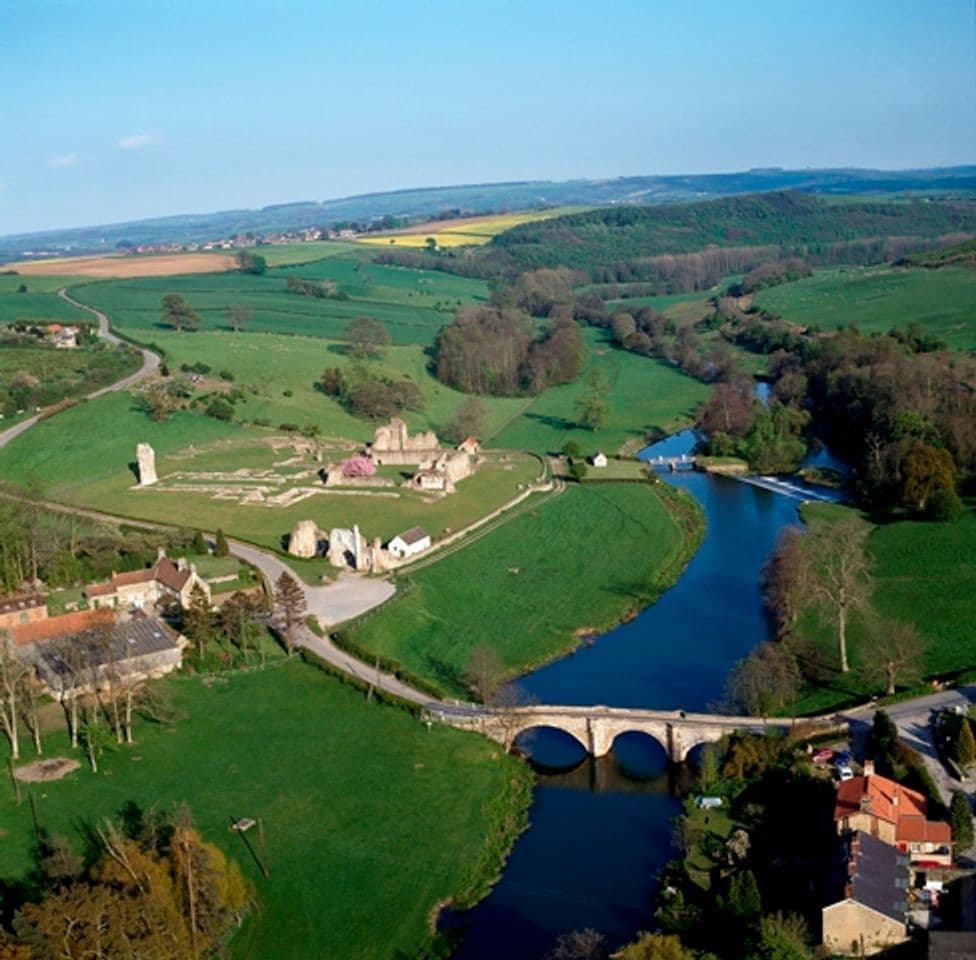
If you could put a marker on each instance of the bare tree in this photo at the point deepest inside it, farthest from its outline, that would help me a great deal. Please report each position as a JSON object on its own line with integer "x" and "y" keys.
{"x": 485, "y": 672}
{"x": 30, "y": 693}
{"x": 786, "y": 580}
{"x": 238, "y": 316}
{"x": 13, "y": 673}
{"x": 893, "y": 653}
{"x": 840, "y": 573}
{"x": 765, "y": 681}
{"x": 69, "y": 666}
{"x": 290, "y": 600}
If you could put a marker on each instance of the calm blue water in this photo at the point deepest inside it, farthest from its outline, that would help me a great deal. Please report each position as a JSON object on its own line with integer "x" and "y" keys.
{"x": 601, "y": 832}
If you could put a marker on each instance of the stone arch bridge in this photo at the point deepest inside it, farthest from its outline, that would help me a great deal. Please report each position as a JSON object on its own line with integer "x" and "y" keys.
{"x": 595, "y": 728}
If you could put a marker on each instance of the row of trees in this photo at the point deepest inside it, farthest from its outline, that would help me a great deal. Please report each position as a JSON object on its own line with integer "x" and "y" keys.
{"x": 823, "y": 575}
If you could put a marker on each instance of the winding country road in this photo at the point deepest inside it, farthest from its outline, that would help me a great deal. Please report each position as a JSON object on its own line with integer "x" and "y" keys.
{"x": 150, "y": 363}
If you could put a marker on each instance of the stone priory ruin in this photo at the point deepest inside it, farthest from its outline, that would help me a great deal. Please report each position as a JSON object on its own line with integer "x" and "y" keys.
{"x": 146, "y": 460}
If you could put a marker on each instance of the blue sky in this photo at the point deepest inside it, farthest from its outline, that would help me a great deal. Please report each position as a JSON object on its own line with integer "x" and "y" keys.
{"x": 117, "y": 110}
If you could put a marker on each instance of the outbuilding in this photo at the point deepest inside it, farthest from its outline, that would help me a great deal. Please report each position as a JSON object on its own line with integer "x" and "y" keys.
{"x": 409, "y": 543}
{"x": 599, "y": 459}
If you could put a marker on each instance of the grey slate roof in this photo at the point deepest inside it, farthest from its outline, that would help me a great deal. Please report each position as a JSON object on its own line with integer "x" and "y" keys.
{"x": 128, "y": 641}
{"x": 873, "y": 873}
{"x": 413, "y": 535}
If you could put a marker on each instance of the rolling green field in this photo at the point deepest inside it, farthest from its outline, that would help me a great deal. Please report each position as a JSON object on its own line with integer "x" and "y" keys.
{"x": 645, "y": 395}
{"x": 413, "y": 305}
{"x": 41, "y": 308}
{"x": 518, "y": 590}
{"x": 266, "y": 366}
{"x": 279, "y": 255}
{"x": 371, "y": 819}
{"x": 875, "y": 299}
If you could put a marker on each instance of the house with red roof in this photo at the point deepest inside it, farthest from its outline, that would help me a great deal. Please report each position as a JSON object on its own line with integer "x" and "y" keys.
{"x": 895, "y": 815}
{"x": 165, "y": 581}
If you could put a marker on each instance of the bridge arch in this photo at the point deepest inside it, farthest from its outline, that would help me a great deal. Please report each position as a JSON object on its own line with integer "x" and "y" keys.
{"x": 550, "y": 747}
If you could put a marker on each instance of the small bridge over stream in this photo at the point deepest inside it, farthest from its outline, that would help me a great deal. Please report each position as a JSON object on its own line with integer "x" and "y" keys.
{"x": 683, "y": 462}
{"x": 595, "y": 728}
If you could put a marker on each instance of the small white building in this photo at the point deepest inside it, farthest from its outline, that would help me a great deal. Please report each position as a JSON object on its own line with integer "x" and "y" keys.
{"x": 599, "y": 459}
{"x": 409, "y": 543}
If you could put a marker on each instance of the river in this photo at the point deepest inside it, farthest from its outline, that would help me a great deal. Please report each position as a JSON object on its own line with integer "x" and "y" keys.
{"x": 601, "y": 829}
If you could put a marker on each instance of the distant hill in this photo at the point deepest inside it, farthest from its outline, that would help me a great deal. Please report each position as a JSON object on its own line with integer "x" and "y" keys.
{"x": 688, "y": 246}
{"x": 418, "y": 204}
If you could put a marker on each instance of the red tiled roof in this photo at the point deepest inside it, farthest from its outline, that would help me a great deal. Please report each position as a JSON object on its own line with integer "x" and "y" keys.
{"x": 882, "y": 797}
{"x": 889, "y": 801}
{"x": 60, "y": 626}
{"x": 914, "y": 829}
{"x": 170, "y": 575}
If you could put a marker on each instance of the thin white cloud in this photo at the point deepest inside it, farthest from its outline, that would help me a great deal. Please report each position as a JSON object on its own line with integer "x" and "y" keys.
{"x": 136, "y": 140}
{"x": 63, "y": 161}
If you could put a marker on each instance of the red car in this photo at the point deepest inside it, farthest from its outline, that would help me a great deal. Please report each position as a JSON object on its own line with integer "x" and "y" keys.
{"x": 823, "y": 755}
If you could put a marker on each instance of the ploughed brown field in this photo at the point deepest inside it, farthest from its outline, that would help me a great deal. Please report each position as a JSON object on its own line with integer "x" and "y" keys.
{"x": 163, "y": 265}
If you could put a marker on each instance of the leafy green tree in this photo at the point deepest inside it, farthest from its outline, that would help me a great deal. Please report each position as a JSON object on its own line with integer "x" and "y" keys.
{"x": 469, "y": 420}
{"x": 200, "y": 546}
{"x": 368, "y": 337}
{"x": 961, "y": 820}
{"x": 178, "y": 314}
{"x": 198, "y": 618}
{"x": 765, "y": 681}
{"x": 781, "y": 937}
{"x": 593, "y": 405}
{"x": 883, "y": 741}
{"x": 578, "y": 470}
{"x": 333, "y": 382}
{"x": 742, "y": 900}
{"x": 571, "y": 450}
{"x": 926, "y": 470}
{"x": 220, "y": 409}
{"x": 944, "y": 505}
{"x": 965, "y": 744}
{"x": 238, "y": 316}
{"x": 252, "y": 263}
{"x": 221, "y": 547}
{"x": 655, "y": 946}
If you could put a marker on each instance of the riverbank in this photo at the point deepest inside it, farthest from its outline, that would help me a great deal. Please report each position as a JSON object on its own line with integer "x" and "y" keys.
{"x": 517, "y": 593}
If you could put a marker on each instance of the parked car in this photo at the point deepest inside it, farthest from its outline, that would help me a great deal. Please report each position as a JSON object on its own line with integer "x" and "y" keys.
{"x": 842, "y": 758}
{"x": 823, "y": 755}
{"x": 845, "y": 773}
{"x": 708, "y": 803}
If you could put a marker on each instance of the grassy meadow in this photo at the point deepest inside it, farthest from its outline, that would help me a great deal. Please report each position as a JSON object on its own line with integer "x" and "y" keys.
{"x": 645, "y": 396}
{"x": 875, "y": 299}
{"x": 518, "y": 592}
{"x": 371, "y": 819}
{"x": 924, "y": 573}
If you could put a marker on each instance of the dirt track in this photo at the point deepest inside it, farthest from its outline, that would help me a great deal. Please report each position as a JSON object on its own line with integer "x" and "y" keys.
{"x": 164, "y": 265}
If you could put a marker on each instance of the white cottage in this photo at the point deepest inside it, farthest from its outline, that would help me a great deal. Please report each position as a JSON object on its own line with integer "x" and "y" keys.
{"x": 599, "y": 459}
{"x": 409, "y": 543}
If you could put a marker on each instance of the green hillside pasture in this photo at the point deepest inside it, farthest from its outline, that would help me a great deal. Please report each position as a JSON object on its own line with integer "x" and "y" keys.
{"x": 134, "y": 305}
{"x": 266, "y": 366}
{"x": 877, "y": 299}
{"x": 370, "y": 819}
{"x": 285, "y": 254}
{"x": 39, "y": 283}
{"x": 38, "y": 308}
{"x": 645, "y": 396}
{"x": 924, "y": 574}
{"x": 374, "y": 282}
{"x": 518, "y": 590}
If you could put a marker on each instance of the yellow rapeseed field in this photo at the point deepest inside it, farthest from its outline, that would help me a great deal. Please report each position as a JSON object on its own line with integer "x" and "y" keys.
{"x": 464, "y": 232}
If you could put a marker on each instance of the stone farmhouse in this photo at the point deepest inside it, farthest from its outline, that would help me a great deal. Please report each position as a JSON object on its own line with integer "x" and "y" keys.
{"x": 137, "y": 649}
{"x": 165, "y": 581}
{"x": 20, "y": 610}
{"x": 409, "y": 543}
{"x": 869, "y": 906}
{"x": 895, "y": 815}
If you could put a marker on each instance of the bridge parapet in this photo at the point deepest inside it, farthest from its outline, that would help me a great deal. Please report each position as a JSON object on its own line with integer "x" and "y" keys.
{"x": 595, "y": 728}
